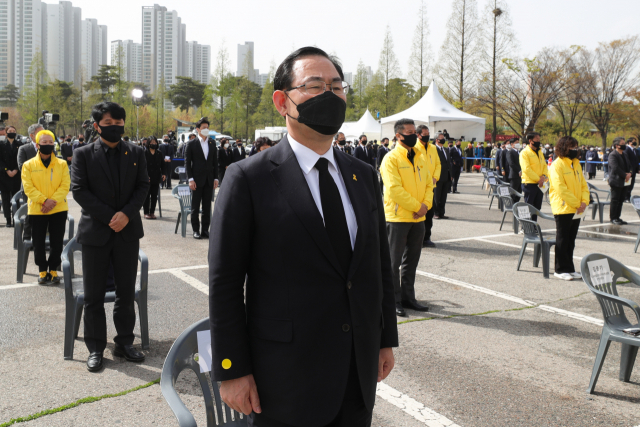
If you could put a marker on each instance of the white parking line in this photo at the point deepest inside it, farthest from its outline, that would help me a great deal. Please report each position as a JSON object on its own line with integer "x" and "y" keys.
{"x": 18, "y": 286}
{"x": 607, "y": 234}
{"x": 412, "y": 407}
{"x": 191, "y": 281}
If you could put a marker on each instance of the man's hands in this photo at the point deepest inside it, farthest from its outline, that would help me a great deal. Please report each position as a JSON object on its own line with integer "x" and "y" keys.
{"x": 241, "y": 394}
{"x": 192, "y": 185}
{"x": 12, "y": 173}
{"x": 163, "y": 177}
{"x": 118, "y": 222}
{"x": 628, "y": 177}
{"x": 215, "y": 183}
{"x": 434, "y": 181}
{"x": 385, "y": 363}
{"x": 48, "y": 205}
{"x": 582, "y": 207}
{"x": 69, "y": 159}
{"x": 503, "y": 173}
{"x": 422, "y": 212}
{"x": 541, "y": 180}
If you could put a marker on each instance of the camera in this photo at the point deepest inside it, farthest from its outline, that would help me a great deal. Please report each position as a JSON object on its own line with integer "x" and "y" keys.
{"x": 90, "y": 132}
{"x": 3, "y": 117}
{"x": 49, "y": 121}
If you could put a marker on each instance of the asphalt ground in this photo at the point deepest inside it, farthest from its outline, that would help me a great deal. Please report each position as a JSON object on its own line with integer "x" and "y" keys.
{"x": 480, "y": 357}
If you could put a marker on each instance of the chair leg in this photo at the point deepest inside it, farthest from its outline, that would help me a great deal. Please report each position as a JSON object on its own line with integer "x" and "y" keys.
{"x": 78, "y": 318}
{"x": 546, "y": 252}
{"x": 177, "y": 223}
{"x": 601, "y": 212}
{"x": 144, "y": 320}
{"x": 515, "y": 224}
{"x": 593, "y": 211}
{"x": 19, "y": 267}
{"x": 69, "y": 327}
{"x": 491, "y": 202}
{"x": 635, "y": 250}
{"x": 600, "y": 356}
{"x": 524, "y": 247}
{"x": 537, "y": 250}
{"x": 184, "y": 225}
{"x": 627, "y": 359}
{"x": 25, "y": 261}
{"x": 504, "y": 215}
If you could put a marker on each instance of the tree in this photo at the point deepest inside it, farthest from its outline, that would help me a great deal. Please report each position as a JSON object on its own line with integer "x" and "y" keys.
{"x": 267, "y": 115}
{"x": 612, "y": 74}
{"x": 498, "y": 42}
{"x": 571, "y": 106}
{"x": 9, "y": 95}
{"x": 457, "y": 63}
{"x": 222, "y": 83}
{"x": 388, "y": 69}
{"x": 360, "y": 82}
{"x": 420, "y": 53}
{"x": 186, "y": 93}
{"x": 34, "y": 94}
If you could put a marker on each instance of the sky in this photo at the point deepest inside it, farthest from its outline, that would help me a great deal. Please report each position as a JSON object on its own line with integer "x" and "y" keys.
{"x": 354, "y": 30}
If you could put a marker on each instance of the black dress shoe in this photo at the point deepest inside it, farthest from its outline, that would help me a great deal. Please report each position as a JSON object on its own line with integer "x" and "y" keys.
{"x": 94, "y": 362}
{"x": 205, "y": 234}
{"x": 196, "y": 235}
{"x": 456, "y": 192}
{"x": 400, "y": 311}
{"x": 414, "y": 305}
{"x": 444, "y": 217}
{"x": 129, "y": 353}
{"x": 428, "y": 244}
{"x": 9, "y": 225}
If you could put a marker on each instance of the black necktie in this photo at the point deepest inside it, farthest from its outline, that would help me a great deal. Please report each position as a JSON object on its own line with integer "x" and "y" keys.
{"x": 335, "y": 221}
{"x": 115, "y": 175}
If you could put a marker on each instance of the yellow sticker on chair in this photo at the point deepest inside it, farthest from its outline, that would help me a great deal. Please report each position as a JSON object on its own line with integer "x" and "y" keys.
{"x": 226, "y": 364}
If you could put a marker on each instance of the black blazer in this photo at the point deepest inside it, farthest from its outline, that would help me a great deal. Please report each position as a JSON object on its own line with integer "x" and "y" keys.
{"x": 618, "y": 168}
{"x": 445, "y": 171}
{"x": 361, "y": 154}
{"x": 456, "y": 157}
{"x": 504, "y": 162}
{"x": 155, "y": 165}
{"x": 9, "y": 158}
{"x": 224, "y": 159}
{"x": 382, "y": 151}
{"x": 198, "y": 167}
{"x": 302, "y": 314}
{"x": 66, "y": 150}
{"x": 237, "y": 156}
{"x": 349, "y": 150}
{"x": 513, "y": 159}
{"x": 632, "y": 159}
{"x": 93, "y": 190}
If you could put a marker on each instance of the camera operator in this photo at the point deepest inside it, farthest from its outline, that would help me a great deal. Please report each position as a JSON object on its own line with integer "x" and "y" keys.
{"x": 10, "y": 181}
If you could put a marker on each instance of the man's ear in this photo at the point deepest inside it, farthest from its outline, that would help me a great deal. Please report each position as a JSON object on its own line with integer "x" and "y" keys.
{"x": 96, "y": 127}
{"x": 280, "y": 102}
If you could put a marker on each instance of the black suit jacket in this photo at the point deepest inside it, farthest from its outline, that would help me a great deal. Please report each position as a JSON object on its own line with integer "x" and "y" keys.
{"x": 237, "y": 156}
{"x": 302, "y": 314}
{"x": 504, "y": 162}
{"x": 198, "y": 167}
{"x": 513, "y": 159}
{"x": 445, "y": 165}
{"x": 66, "y": 150}
{"x": 9, "y": 159}
{"x": 349, "y": 150}
{"x": 632, "y": 159}
{"x": 619, "y": 167}
{"x": 93, "y": 190}
{"x": 382, "y": 151}
{"x": 224, "y": 159}
{"x": 361, "y": 154}
{"x": 456, "y": 158}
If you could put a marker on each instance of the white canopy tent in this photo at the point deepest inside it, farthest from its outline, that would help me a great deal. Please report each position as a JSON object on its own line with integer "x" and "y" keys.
{"x": 434, "y": 111}
{"x": 367, "y": 125}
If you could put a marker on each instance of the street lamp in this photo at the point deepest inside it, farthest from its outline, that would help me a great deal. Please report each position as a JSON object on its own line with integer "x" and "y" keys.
{"x": 137, "y": 96}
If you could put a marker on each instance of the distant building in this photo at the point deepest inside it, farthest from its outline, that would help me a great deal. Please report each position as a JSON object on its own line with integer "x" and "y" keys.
{"x": 197, "y": 62}
{"x": 62, "y": 39}
{"x": 131, "y": 58}
{"x": 245, "y": 62}
{"x": 263, "y": 79}
{"x": 93, "y": 48}
{"x": 348, "y": 77}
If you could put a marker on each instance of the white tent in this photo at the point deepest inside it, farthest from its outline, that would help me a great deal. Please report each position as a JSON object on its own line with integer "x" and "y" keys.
{"x": 367, "y": 125}
{"x": 434, "y": 111}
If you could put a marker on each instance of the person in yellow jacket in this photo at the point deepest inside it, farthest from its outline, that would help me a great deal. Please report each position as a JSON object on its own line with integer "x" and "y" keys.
{"x": 534, "y": 172}
{"x": 46, "y": 183}
{"x": 408, "y": 196}
{"x": 433, "y": 164}
{"x": 569, "y": 197}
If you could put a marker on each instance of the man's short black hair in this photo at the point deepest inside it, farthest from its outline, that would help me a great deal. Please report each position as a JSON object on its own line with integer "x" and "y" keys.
{"x": 338, "y": 135}
{"x": 202, "y": 121}
{"x": 362, "y": 136}
{"x": 400, "y": 124}
{"x": 531, "y": 135}
{"x": 384, "y": 139}
{"x": 126, "y": 138}
{"x": 420, "y": 127}
{"x": 284, "y": 74}
{"x": 115, "y": 111}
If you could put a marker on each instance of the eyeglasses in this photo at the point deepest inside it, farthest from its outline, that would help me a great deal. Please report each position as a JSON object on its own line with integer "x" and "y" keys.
{"x": 316, "y": 87}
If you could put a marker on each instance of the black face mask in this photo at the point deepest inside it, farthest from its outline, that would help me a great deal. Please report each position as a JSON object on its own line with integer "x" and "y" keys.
{"x": 11, "y": 135}
{"x": 323, "y": 113}
{"x": 536, "y": 144}
{"x": 573, "y": 153}
{"x": 410, "y": 140}
{"x": 111, "y": 133}
{"x": 46, "y": 149}
{"x": 458, "y": 145}
{"x": 364, "y": 142}
{"x": 81, "y": 140}
{"x": 622, "y": 147}
{"x": 166, "y": 141}
{"x": 343, "y": 143}
{"x": 424, "y": 138}
{"x": 153, "y": 146}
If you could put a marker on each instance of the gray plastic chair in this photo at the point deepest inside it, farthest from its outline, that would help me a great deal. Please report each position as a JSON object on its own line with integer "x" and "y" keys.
{"x": 494, "y": 191}
{"x": 184, "y": 355}
{"x": 25, "y": 246}
{"x": 533, "y": 234}
{"x": 598, "y": 205}
{"x": 180, "y": 193}
{"x": 635, "y": 201}
{"x": 74, "y": 301}
{"x": 159, "y": 201}
{"x": 182, "y": 175}
{"x": 17, "y": 200}
{"x": 483, "y": 170}
{"x": 615, "y": 319}
{"x": 507, "y": 204}
{"x": 594, "y": 188}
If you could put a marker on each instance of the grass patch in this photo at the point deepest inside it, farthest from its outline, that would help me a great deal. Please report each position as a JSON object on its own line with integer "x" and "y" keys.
{"x": 78, "y": 402}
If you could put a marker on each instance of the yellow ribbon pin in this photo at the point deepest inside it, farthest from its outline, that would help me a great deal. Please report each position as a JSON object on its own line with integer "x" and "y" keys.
{"x": 354, "y": 178}
{"x": 126, "y": 152}
{"x": 226, "y": 364}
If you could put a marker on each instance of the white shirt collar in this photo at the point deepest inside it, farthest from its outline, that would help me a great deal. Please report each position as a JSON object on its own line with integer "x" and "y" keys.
{"x": 307, "y": 158}
{"x": 202, "y": 141}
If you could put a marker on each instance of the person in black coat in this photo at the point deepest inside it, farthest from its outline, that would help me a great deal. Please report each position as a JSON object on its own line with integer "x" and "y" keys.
{"x": 504, "y": 161}
{"x": 10, "y": 179}
{"x": 515, "y": 172}
{"x": 109, "y": 181}
{"x": 361, "y": 152}
{"x": 155, "y": 167}
{"x": 632, "y": 159}
{"x": 620, "y": 172}
{"x": 224, "y": 158}
{"x": 66, "y": 151}
{"x": 456, "y": 165}
{"x": 237, "y": 152}
{"x": 499, "y": 159}
{"x": 383, "y": 150}
{"x": 444, "y": 183}
{"x": 201, "y": 163}
{"x": 168, "y": 152}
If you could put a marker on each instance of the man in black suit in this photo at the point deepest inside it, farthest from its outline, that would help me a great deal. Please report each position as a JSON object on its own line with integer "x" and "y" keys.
{"x": 341, "y": 142}
{"x": 109, "y": 181}
{"x": 499, "y": 159}
{"x": 316, "y": 330}
{"x": 456, "y": 165}
{"x": 504, "y": 162}
{"x": 632, "y": 159}
{"x": 515, "y": 172}
{"x": 444, "y": 183}
{"x": 224, "y": 158}
{"x": 383, "y": 150}
{"x": 66, "y": 151}
{"x": 237, "y": 152}
{"x": 10, "y": 179}
{"x": 620, "y": 173}
{"x": 361, "y": 152}
{"x": 201, "y": 162}
{"x": 349, "y": 148}
{"x": 168, "y": 152}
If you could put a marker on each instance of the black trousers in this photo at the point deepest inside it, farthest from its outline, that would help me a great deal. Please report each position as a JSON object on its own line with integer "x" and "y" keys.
{"x": 455, "y": 175}
{"x": 352, "y": 413}
{"x": 9, "y": 187}
{"x": 428, "y": 224}
{"x": 202, "y": 195}
{"x": 405, "y": 246}
{"x": 167, "y": 172}
{"x": 95, "y": 267}
{"x": 149, "y": 205}
{"x": 440, "y": 194}
{"x": 566, "y": 232}
{"x": 55, "y": 224}
{"x": 533, "y": 195}
{"x": 516, "y": 184}
{"x": 617, "y": 198}
{"x": 468, "y": 164}
{"x": 628, "y": 189}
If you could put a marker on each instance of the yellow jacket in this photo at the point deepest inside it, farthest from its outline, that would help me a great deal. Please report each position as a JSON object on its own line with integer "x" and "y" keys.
{"x": 568, "y": 188}
{"x": 406, "y": 186}
{"x": 533, "y": 166}
{"x": 42, "y": 183}
{"x": 433, "y": 160}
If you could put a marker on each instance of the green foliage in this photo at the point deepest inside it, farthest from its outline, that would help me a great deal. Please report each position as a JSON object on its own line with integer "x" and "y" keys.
{"x": 186, "y": 93}
{"x": 9, "y": 96}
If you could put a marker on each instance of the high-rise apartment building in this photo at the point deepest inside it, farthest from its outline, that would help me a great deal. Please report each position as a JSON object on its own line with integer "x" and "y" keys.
{"x": 62, "y": 40}
{"x": 131, "y": 57}
{"x": 197, "y": 62}
{"x": 93, "y": 48}
{"x": 245, "y": 62}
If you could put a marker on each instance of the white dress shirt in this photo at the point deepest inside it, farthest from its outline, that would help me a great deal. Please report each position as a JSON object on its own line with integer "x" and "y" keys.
{"x": 307, "y": 158}
{"x": 204, "y": 143}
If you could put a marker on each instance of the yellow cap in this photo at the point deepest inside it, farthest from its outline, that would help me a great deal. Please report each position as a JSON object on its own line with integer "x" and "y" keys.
{"x": 226, "y": 363}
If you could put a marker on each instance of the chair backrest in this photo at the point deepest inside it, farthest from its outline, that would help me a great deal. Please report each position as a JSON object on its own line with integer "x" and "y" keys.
{"x": 493, "y": 183}
{"x": 182, "y": 193}
{"x": 601, "y": 273}
{"x": 635, "y": 202}
{"x": 491, "y": 173}
{"x": 21, "y": 213}
{"x": 505, "y": 197}
{"x": 594, "y": 197}
{"x": 184, "y": 355}
{"x": 523, "y": 211}
{"x": 182, "y": 173}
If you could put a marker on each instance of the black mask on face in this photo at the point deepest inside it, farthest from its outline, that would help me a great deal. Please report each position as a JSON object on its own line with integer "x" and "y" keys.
{"x": 424, "y": 138}
{"x": 166, "y": 141}
{"x": 343, "y": 143}
{"x": 573, "y": 153}
{"x": 46, "y": 149}
{"x": 323, "y": 113}
{"x": 111, "y": 133}
{"x": 458, "y": 145}
{"x": 536, "y": 144}
{"x": 410, "y": 140}
{"x": 153, "y": 146}
{"x": 81, "y": 140}
{"x": 622, "y": 147}
{"x": 11, "y": 135}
